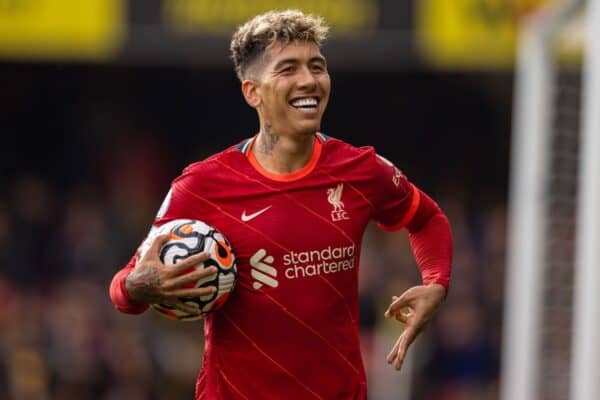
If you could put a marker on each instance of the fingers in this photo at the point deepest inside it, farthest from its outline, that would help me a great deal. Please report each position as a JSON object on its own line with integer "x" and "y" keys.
{"x": 157, "y": 244}
{"x": 414, "y": 323}
{"x": 406, "y": 339}
{"x": 176, "y": 298}
{"x": 392, "y": 354}
{"x": 398, "y": 303}
{"x": 190, "y": 277}
{"x": 401, "y": 317}
{"x": 421, "y": 302}
{"x": 193, "y": 292}
{"x": 398, "y": 352}
{"x": 183, "y": 265}
{"x": 193, "y": 310}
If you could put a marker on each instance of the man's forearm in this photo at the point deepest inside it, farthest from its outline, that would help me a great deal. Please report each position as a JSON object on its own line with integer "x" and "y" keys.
{"x": 432, "y": 247}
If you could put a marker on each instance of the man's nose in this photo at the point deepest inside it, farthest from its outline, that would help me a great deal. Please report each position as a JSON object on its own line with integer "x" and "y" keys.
{"x": 306, "y": 78}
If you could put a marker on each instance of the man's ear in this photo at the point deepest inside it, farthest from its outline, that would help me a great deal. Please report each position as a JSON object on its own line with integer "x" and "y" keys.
{"x": 251, "y": 90}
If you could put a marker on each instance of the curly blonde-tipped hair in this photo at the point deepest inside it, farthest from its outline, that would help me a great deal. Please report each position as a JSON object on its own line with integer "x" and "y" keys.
{"x": 251, "y": 39}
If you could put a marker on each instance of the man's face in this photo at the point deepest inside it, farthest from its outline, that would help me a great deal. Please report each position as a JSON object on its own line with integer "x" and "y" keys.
{"x": 293, "y": 88}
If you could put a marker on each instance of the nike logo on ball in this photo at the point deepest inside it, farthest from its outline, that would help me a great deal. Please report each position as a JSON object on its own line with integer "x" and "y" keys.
{"x": 248, "y": 217}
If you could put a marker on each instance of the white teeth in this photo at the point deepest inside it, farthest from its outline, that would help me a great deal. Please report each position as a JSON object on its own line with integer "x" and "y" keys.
{"x": 306, "y": 102}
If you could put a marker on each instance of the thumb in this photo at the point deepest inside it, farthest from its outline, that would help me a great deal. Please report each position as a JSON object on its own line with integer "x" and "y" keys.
{"x": 157, "y": 244}
{"x": 398, "y": 303}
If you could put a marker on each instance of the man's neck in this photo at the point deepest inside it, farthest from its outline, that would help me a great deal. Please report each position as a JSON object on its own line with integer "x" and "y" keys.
{"x": 282, "y": 154}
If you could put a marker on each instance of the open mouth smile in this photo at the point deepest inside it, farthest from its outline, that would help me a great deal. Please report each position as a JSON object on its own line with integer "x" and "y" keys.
{"x": 305, "y": 103}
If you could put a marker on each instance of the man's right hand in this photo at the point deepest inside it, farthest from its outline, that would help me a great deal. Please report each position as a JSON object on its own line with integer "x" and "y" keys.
{"x": 152, "y": 282}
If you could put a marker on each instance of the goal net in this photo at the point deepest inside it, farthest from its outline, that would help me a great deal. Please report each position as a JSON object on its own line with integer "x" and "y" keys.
{"x": 552, "y": 315}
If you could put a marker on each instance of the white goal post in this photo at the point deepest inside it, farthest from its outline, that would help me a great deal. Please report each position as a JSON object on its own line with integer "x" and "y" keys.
{"x": 528, "y": 372}
{"x": 585, "y": 378}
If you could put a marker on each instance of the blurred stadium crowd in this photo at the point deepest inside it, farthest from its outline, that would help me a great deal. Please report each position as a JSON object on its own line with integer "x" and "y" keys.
{"x": 71, "y": 219}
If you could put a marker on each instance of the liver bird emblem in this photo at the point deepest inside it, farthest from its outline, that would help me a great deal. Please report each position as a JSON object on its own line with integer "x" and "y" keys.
{"x": 334, "y": 197}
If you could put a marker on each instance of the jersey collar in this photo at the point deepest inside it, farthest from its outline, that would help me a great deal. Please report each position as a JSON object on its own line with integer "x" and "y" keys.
{"x": 287, "y": 177}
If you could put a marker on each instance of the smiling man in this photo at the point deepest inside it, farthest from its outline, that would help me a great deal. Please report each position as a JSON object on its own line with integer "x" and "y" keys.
{"x": 294, "y": 204}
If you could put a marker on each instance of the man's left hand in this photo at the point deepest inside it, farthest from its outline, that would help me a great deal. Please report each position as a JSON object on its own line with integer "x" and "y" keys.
{"x": 422, "y": 303}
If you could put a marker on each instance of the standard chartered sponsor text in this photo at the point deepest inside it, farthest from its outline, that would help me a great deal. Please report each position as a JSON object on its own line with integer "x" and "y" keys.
{"x": 316, "y": 262}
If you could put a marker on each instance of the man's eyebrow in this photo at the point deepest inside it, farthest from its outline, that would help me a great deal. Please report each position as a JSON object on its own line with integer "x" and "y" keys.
{"x": 286, "y": 61}
{"x": 320, "y": 59}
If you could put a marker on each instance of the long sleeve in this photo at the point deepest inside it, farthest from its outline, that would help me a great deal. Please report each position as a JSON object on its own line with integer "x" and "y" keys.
{"x": 118, "y": 292}
{"x": 431, "y": 241}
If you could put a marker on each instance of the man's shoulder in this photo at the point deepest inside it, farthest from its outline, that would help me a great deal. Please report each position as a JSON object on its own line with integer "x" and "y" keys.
{"x": 227, "y": 157}
{"x": 340, "y": 150}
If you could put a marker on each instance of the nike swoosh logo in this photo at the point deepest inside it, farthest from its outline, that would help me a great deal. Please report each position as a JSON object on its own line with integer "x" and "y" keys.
{"x": 247, "y": 218}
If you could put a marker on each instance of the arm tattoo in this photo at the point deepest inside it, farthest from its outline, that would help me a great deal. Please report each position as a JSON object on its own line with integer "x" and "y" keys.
{"x": 269, "y": 140}
{"x": 142, "y": 286}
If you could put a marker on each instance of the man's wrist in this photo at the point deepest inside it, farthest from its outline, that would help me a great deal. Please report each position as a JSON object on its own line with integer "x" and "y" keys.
{"x": 439, "y": 289}
{"x": 128, "y": 286}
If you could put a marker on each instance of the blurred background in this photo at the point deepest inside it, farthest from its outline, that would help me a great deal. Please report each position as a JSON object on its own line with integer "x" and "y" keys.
{"x": 104, "y": 102}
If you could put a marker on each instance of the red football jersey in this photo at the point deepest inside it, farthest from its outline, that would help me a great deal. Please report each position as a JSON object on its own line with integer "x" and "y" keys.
{"x": 290, "y": 328}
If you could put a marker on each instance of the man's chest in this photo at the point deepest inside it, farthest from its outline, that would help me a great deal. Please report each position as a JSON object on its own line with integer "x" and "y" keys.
{"x": 295, "y": 218}
{"x": 290, "y": 235}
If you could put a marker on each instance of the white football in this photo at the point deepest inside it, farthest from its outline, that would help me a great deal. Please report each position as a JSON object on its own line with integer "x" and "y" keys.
{"x": 189, "y": 237}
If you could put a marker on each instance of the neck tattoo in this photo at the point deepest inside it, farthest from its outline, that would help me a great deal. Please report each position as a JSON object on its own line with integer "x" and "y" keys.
{"x": 269, "y": 140}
